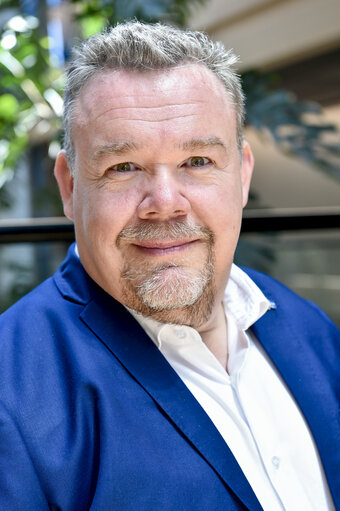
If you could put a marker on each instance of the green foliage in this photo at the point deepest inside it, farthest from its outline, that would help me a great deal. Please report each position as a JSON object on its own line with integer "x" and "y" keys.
{"x": 93, "y": 15}
{"x": 9, "y": 107}
{"x": 27, "y": 77}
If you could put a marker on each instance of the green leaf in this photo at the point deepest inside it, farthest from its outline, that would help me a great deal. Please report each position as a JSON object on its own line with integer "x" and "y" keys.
{"x": 45, "y": 42}
{"x": 9, "y": 107}
{"x": 92, "y": 24}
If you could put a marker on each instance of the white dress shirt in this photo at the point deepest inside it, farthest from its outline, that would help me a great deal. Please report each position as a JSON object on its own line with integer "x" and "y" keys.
{"x": 250, "y": 405}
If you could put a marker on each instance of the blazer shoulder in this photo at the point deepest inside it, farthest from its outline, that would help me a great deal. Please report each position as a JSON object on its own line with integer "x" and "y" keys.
{"x": 67, "y": 287}
{"x": 289, "y": 300}
{"x": 35, "y": 319}
{"x": 300, "y": 324}
{"x": 37, "y": 298}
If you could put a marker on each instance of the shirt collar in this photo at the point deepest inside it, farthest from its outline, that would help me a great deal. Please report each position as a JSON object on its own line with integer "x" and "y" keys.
{"x": 243, "y": 300}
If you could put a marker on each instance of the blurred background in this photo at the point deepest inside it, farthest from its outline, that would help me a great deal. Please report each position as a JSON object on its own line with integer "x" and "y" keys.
{"x": 290, "y": 67}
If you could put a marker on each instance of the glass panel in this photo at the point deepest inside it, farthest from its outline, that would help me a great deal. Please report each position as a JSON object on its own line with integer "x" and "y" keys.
{"x": 24, "y": 265}
{"x": 306, "y": 261}
{"x": 284, "y": 181}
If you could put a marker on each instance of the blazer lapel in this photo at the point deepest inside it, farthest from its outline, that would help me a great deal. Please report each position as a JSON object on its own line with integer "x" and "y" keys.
{"x": 121, "y": 333}
{"x": 290, "y": 350}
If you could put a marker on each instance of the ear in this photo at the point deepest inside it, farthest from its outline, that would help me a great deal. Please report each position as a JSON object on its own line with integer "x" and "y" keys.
{"x": 64, "y": 179}
{"x": 246, "y": 171}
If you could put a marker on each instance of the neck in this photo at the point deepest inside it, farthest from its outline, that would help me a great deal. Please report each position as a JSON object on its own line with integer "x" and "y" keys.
{"x": 215, "y": 335}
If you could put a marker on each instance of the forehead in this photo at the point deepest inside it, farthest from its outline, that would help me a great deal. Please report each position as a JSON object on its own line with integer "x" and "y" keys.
{"x": 149, "y": 93}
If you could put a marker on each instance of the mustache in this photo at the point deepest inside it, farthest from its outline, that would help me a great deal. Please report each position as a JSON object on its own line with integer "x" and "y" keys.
{"x": 170, "y": 230}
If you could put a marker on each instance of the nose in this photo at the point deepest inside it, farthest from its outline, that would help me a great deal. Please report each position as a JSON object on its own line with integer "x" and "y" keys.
{"x": 163, "y": 199}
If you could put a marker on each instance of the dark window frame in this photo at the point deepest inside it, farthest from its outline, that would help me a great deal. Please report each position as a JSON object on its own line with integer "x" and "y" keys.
{"x": 33, "y": 230}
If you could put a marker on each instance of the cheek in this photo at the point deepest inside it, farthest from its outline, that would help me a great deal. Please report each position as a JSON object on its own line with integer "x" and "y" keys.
{"x": 221, "y": 211}
{"x": 220, "y": 205}
{"x": 104, "y": 213}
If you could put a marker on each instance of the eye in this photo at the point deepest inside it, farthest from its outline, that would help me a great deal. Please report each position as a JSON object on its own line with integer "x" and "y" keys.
{"x": 198, "y": 161}
{"x": 126, "y": 166}
{"x": 121, "y": 168}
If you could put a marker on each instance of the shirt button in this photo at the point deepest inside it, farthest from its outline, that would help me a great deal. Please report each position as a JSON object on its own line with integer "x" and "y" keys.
{"x": 180, "y": 334}
{"x": 276, "y": 462}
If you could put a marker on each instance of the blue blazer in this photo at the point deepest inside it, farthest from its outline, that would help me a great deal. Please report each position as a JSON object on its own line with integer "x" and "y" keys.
{"x": 92, "y": 416}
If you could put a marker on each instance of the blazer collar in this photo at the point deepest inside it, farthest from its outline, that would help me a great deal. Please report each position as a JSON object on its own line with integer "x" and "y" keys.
{"x": 72, "y": 280}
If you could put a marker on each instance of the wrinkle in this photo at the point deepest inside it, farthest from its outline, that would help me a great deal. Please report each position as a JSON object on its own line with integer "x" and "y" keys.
{"x": 150, "y": 108}
{"x": 155, "y": 120}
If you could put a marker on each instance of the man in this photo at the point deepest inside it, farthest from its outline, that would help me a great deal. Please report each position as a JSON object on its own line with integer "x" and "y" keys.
{"x": 150, "y": 373}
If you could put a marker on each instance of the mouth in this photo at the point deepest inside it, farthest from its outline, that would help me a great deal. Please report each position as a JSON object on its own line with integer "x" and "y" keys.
{"x": 163, "y": 247}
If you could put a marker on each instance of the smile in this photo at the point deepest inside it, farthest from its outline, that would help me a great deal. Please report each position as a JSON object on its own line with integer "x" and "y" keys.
{"x": 159, "y": 248}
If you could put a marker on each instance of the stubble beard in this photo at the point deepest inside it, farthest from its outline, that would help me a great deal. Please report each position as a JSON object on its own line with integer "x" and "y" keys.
{"x": 171, "y": 292}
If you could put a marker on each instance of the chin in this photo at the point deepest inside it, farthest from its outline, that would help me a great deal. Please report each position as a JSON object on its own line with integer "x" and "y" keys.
{"x": 174, "y": 295}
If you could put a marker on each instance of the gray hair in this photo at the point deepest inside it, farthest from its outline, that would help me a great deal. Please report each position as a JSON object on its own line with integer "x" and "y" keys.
{"x": 138, "y": 46}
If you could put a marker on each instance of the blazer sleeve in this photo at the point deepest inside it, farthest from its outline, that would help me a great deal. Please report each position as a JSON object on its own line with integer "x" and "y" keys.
{"x": 20, "y": 488}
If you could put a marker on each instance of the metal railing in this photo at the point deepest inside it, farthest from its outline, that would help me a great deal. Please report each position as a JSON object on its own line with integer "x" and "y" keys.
{"x": 254, "y": 220}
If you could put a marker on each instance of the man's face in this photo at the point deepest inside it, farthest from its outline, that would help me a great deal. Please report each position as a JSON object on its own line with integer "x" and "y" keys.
{"x": 158, "y": 189}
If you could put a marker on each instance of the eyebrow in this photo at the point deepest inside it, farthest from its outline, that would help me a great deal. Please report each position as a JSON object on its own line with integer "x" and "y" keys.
{"x": 121, "y": 148}
{"x": 202, "y": 143}
{"x": 117, "y": 148}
